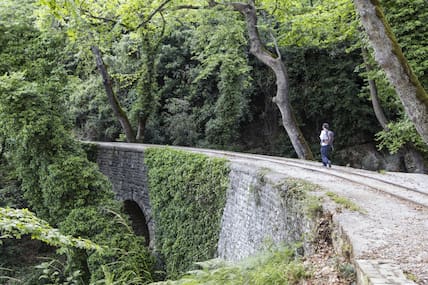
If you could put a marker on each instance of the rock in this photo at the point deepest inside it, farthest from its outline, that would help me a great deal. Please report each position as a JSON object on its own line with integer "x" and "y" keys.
{"x": 367, "y": 157}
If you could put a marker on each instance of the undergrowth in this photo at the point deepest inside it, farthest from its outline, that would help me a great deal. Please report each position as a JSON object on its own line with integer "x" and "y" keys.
{"x": 300, "y": 190}
{"x": 278, "y": 266}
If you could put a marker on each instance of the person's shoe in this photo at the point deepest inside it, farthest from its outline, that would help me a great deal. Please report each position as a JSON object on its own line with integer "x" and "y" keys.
{"x": 329, "y": 164}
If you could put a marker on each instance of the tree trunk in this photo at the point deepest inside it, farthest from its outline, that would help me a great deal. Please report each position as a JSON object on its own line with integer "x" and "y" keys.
{"x": 3, "y": 147}
{"x": 146, "y": 102}
{"x": 282, "y": 94}
{"x": 390, "y": 57}
{"x": 114, "y": 102}
{"x": 380, "y": 115}
{"x": 413, "y": 159}
{"x": 142, "y": 120}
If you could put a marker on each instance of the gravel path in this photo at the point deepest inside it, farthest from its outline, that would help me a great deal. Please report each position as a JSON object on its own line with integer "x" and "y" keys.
{"x": 387, "y": 228}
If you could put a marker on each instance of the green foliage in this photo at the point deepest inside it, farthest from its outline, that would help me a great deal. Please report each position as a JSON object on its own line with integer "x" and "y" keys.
{"x": 10, "y": 192}
{"x": 391, "y": 104}
{"x": 93, "y": 117}
{"x": 181, "y": 127}
{"x": 31, "y": 124}
{"x": 124, "y": 252}
{"x": 18, "y": 222}
{"x": 128, "y": 34}
{"x": 406, "y": 23}
{"x": 187, "y": 194}
{"x": 205, "y": 82}
{"x": 128, "y": 261}
{"x": 49, "y": 163}
{"x": 58, "y": 181}
{"x": 323, "y": 88}
{"x": 53, "y": 273}
{"x": 220, "y": 46}
{"x": 177, "y": 119}
{"x": 406, "y": 20}
{"x": 276, "y": 266}
{"x": 110, "y": 278}
{"x": 314, "y": 23}
{"x": 71, "y": 183}
{"x": 18, "y": 31}
{"x": 399, "y": 134}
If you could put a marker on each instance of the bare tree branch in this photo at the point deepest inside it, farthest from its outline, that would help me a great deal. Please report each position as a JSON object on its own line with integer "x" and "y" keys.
{"x": 153, "y": 13}
{"x": 103, "y": 19}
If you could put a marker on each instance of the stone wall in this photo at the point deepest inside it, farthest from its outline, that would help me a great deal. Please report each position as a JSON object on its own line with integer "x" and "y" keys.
{"x": 127, "y": 172}
{"x": 259, "y": 210}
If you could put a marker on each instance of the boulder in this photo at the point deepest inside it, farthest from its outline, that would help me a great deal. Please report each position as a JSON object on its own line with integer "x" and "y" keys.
{"x": 366, "y": 156}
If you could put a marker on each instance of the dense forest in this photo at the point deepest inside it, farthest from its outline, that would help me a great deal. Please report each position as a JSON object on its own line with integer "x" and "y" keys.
{"x": 250, "y": 76}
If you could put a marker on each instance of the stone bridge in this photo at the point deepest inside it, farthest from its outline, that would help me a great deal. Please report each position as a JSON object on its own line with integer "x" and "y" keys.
{"x": 379, "y": 254}
{"x": 250, "y": 220}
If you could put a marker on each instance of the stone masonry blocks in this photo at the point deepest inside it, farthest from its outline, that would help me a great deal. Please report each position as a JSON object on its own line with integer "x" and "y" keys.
{"x": 380, "y": 272}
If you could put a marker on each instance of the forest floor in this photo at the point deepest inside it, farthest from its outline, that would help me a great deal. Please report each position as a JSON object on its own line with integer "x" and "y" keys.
{"x": 328, "y": 268}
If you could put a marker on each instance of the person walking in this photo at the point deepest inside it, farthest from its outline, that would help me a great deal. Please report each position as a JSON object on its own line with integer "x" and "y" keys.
{"x": 326, "y": 139}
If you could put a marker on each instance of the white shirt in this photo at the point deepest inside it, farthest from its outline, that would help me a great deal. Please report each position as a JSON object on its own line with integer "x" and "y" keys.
{"x": 324, "y": 137}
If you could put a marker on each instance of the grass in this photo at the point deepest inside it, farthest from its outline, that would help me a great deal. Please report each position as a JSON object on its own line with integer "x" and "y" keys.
{"x": 300, "y": 189}
{"x": 344, "y": 202}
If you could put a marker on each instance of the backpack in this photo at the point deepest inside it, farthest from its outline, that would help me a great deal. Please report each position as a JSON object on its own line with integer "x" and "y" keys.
{"x": 330, "y": 135}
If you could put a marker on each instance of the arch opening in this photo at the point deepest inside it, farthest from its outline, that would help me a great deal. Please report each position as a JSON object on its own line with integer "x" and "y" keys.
{"x": 138, "y": 220}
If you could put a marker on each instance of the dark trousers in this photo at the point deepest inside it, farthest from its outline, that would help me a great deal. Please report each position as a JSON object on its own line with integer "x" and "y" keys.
{"x": 325, "y": 154}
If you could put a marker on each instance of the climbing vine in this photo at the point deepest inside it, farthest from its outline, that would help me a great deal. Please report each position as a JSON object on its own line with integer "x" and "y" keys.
{"x": 188, "y": 194}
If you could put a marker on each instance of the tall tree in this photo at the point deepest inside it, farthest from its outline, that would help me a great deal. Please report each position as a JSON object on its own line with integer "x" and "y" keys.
{"x": 276, "y": 63}
{"x": 114, "y": 102}
{"x": 390, "y": 57}
{"x": 98, "y": 25}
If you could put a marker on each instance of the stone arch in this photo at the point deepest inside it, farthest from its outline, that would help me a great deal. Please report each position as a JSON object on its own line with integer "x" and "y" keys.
{"x": 138, "y": 219}
{"x": 127, "y": 172}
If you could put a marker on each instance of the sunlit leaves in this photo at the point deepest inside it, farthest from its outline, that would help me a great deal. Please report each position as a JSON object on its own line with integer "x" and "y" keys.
{"x": 18, "y": 222}
{"x": 10, "y": 16}
{"x": 398, "y": 134}
{"x": 321, "y": 24}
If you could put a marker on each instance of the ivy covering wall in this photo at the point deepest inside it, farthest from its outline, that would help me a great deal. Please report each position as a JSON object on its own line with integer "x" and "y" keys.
{"x": 188, "y": 194}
